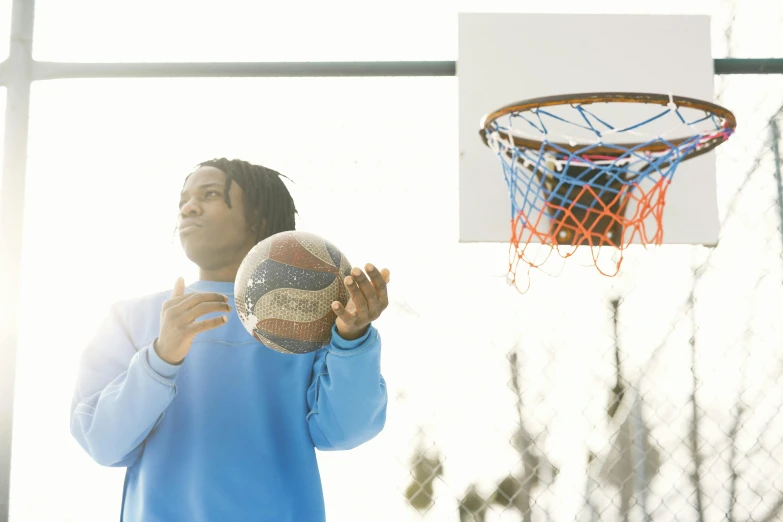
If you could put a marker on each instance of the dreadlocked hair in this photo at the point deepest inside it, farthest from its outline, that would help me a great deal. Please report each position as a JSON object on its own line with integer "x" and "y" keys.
{"x": 266, "y": 197}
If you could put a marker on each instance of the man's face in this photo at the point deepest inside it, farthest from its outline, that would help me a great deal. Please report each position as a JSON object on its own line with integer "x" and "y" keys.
{"x": 213, "y": 235}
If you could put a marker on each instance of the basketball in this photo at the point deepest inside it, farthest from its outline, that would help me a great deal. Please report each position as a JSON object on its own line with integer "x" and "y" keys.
{"x": 285, "y": 288}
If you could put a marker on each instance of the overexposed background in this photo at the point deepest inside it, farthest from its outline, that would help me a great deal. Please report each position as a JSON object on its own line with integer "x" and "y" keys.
{"x": 374, "y": 161}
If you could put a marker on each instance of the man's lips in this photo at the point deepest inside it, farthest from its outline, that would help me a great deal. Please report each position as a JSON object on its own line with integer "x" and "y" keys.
{"x": 189, "y": 226}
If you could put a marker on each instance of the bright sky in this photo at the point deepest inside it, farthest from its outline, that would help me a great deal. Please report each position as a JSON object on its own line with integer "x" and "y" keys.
{"x": 232, "y": 30}
{"x": 107, "y": 159}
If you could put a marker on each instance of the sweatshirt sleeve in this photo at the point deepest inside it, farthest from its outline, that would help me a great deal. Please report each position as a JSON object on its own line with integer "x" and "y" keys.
{"x": 119, "y": 398}
{"x": 347, "y": 396}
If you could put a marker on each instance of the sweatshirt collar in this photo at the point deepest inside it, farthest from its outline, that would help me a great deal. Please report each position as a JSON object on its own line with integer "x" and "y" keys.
{"x": 222, "y": 287}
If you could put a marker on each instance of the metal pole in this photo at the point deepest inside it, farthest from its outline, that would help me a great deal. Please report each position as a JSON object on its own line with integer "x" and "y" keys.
{"x": 54, "y": 70}
{"x": 18, "y": 67}
{"x": 639, "y": 455}
{"x": 775, "y": 132}
{"x": 57, "y": 70}
{"x": 749, "y": 66}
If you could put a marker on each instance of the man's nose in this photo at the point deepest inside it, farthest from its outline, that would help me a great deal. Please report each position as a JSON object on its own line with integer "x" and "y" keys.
{"x": 190, "y": 208}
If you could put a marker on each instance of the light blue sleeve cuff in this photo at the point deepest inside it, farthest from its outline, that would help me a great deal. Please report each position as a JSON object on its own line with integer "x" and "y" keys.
{"x": 161, "y": 367}
{"x": 345, "y": 345}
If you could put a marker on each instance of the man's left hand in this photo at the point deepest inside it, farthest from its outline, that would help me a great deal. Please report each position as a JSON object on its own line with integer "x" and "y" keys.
{"x": 368, "y": 300}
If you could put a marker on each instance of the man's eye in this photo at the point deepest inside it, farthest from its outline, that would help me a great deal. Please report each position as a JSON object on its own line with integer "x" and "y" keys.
{"x": 212, "y": 193}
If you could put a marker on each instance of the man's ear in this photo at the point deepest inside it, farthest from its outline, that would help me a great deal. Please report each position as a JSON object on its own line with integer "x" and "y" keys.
{"x": 260, "y": 231}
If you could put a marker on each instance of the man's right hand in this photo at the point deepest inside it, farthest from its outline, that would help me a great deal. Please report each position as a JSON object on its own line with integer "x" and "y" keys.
{"x": 178, "y": 325}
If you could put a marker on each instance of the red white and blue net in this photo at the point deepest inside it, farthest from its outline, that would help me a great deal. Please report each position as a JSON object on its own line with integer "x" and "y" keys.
{"x": 594, "y": 172}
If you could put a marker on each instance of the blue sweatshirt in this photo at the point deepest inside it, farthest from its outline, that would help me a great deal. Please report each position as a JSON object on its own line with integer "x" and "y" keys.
{"x": 229, "y": 434}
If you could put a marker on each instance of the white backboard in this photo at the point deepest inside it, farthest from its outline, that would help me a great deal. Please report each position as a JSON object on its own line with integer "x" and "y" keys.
{"x": 505, "y": 58}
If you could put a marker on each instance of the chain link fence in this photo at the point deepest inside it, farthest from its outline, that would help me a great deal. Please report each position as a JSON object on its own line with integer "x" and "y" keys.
{"x": 652, "y": 396}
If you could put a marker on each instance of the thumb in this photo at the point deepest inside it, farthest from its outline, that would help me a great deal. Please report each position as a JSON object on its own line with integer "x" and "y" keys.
{"x": 179, "y": 288}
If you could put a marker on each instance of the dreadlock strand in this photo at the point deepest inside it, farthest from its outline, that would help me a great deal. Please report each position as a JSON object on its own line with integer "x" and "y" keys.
{"x": 267, "y": 197}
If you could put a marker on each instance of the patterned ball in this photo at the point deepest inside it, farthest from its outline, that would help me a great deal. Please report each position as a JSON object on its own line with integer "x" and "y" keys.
{"x": 285, "y": 288}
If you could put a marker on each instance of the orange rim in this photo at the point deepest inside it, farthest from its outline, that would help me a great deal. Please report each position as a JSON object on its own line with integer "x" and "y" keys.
{"x": 727, "y": 117}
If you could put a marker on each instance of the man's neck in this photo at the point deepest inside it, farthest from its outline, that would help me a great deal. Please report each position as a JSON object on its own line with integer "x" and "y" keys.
{"x": 225, "y": 274}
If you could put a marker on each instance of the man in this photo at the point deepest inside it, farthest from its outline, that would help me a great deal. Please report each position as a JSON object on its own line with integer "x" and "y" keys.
{"x": 210, "y": 424}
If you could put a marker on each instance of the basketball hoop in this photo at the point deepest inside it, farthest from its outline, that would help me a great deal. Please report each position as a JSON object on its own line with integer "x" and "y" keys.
{"x": 576, "y": 179}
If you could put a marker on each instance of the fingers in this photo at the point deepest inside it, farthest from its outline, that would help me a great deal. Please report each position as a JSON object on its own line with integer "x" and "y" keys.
{"x": 183, "y": 303}
{"x": 379, "y": 281}
{"x": 201, "y": 297}
{"x": 341, "y": 312}
{"x": 354, "y": 290}
{"x": 204, "y": 308}
{"x": 369, "y": 296}
{"x": 362, "y": 292}
{"x": 208, "y": 324}
{"x": 373, "y": 288}
{"x": 177, "y": 294}
{"x": 179, "y": 288}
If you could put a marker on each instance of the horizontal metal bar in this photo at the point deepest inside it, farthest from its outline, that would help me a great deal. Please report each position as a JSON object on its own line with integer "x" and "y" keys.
{"x": 57, "y": 70}
{"x": 54, "y": 70}
{"x": 749, "y": 66}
